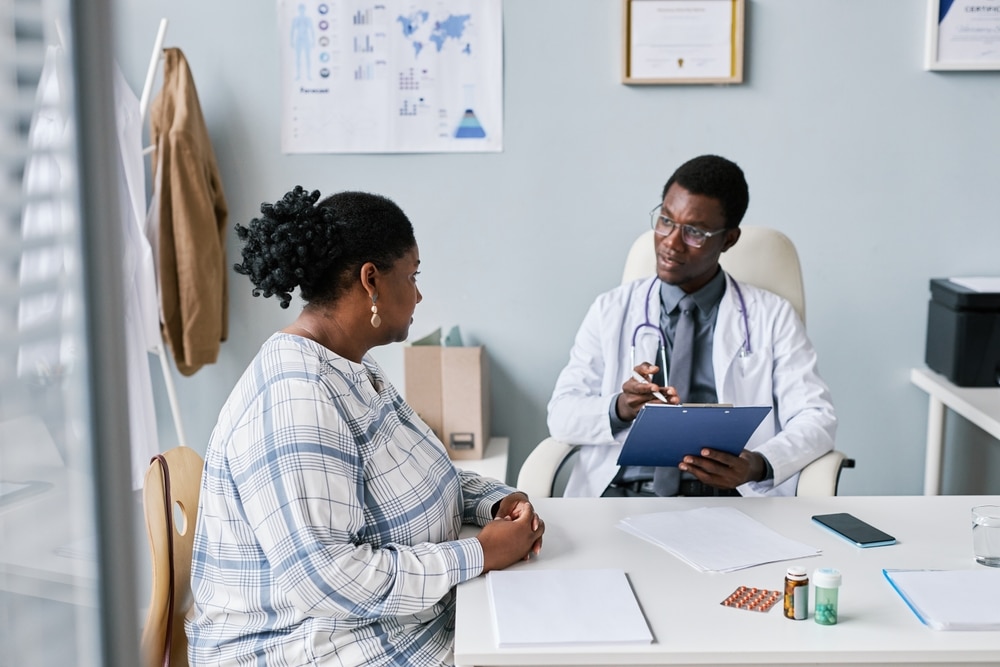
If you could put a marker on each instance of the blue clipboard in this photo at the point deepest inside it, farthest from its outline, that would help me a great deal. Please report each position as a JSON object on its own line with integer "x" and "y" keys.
{"x": 662, "y": 435}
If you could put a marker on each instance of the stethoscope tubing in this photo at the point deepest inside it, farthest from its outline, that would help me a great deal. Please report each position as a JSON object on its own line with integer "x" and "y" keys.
{"x": 745, "y": 351}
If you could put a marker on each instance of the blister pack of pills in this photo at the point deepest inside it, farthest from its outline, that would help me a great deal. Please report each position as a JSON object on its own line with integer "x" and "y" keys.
{"x": 752, "y": 599}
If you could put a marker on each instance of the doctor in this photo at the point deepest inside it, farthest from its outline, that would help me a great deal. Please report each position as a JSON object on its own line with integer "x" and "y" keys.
{"x": 750, "y": 348}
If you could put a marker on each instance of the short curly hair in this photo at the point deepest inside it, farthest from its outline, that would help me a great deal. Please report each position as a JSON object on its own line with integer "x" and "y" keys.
{"x": 320, "y": 248}
{"x": 718, "y": 178}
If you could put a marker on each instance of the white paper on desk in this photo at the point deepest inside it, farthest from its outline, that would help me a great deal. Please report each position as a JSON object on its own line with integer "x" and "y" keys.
{"x": 950, "y": 599}
{"x": 985, "y": 284}
{"x": 715, "y": 539}
{"x": 84, "y": 548}
{"x": 565, "y": 607}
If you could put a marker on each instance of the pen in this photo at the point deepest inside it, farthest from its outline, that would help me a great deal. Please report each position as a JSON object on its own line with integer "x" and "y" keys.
{"x": 645, "y": 381}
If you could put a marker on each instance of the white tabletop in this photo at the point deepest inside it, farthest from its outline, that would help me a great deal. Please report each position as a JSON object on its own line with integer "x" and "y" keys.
{"x": 683, "y": 608}
{"x": 980, "y": 405}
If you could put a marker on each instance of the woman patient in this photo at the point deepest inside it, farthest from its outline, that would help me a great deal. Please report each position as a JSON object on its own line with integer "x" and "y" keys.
{"x": 328, "y": 527}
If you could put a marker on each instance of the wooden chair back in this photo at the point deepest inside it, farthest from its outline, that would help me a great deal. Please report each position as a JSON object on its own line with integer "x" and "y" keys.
{"x": 170, "y": 495}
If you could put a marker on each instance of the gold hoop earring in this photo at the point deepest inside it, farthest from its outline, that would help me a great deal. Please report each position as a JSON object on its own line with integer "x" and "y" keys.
{"x": 376, "y": 320}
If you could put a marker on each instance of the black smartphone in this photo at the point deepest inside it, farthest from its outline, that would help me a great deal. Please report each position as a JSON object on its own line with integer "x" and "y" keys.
{"x": 854, "y": 530}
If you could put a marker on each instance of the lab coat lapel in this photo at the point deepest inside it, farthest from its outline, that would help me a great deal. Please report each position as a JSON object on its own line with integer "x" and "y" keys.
{"x": 729, "y": 338}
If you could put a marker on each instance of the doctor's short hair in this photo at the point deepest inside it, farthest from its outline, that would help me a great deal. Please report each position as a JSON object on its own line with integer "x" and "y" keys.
{"x": 320, "y": 248}
{"x": 718, "y": 178}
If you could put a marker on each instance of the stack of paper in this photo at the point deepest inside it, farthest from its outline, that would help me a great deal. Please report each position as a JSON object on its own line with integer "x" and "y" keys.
{"x": 715, "y": 539}
{"x": 950, "y": 599}
{"x": 565, "y": 607}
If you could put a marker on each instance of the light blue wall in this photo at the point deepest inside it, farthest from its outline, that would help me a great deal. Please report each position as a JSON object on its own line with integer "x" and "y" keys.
{"x": 884, "y": 176}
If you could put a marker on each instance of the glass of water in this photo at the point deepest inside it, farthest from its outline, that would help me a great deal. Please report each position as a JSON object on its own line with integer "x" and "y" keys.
{"x": 986, "y": 534}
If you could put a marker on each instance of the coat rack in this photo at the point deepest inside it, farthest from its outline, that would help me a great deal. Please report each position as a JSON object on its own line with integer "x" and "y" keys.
{"x": 160, "y": 349}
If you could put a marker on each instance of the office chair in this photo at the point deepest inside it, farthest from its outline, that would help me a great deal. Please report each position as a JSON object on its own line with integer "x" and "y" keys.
{"x": 763, "y": 257}
{"x": 170, "y": 495}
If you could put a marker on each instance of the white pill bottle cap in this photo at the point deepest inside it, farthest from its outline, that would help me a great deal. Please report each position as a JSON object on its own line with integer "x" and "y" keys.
{"x": 826, "y": 577}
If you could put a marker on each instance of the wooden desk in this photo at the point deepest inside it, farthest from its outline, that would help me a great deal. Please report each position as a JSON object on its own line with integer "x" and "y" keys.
{"x": 980, "y": 405}
{"x": 683, "y": 608}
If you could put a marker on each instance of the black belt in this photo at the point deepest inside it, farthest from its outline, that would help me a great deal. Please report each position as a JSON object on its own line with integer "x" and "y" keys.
{"x": 640, "y": 487}
{"x": 692, "y": 487}
{"x": 688, "y": 487}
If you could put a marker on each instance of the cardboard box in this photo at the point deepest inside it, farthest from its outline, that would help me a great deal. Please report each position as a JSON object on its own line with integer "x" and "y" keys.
{"x": 449, "y": 388}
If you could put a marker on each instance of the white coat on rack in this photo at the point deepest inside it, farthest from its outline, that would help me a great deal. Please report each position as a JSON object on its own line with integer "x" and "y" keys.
{"x": 142, "y": 330}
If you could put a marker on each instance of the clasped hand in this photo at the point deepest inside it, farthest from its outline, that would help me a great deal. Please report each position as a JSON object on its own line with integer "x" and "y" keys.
{"x": 514, "y": 534}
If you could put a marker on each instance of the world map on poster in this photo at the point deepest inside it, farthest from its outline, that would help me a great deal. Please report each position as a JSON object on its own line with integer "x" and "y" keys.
{"x": 452, "y": 27}
{"x": 391, "y": 76}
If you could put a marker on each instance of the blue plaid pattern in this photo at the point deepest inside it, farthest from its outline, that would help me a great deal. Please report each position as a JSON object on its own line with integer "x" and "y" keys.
{"x": 328, "y": 525}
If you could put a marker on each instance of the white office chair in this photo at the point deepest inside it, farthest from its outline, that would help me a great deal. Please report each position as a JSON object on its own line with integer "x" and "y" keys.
{"x": 763, "y": 257}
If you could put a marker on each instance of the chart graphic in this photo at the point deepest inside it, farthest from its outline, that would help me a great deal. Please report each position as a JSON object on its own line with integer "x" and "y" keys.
{"x": 394, "y": 76}
{"x": 469, "y": 127}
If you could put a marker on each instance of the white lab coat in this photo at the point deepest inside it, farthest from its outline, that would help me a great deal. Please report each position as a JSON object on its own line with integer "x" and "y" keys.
{"x": 45, "y": 267}
{"x": 781, "y": 372}
{"x": 48, "y": 172}
{"x": 142, "y": 317}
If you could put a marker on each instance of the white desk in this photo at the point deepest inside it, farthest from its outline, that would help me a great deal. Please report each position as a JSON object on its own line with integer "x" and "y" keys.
{"x": 494, "y": 461}
{"x": 44, "y": 547}
{"x": 980, "y": 405}
{"x": 683, "y": 608}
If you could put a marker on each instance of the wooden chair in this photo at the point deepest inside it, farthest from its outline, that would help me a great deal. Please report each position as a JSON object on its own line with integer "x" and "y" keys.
{"x": 763, "y": 257}
{"x": 170, "y": 495}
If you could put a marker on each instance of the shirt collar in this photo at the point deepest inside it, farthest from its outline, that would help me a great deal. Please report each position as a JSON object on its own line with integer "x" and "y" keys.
{"x": 706, "y": 298}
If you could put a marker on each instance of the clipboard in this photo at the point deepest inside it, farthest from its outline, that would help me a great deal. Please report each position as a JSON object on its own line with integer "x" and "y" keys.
{"x": 662, "y": 435}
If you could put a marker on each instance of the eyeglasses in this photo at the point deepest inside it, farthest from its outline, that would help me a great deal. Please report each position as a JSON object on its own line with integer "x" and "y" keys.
{"x": 692, "y": 236}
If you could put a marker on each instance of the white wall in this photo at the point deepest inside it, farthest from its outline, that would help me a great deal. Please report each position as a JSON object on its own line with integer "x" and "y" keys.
{"x": 884, "y": 176}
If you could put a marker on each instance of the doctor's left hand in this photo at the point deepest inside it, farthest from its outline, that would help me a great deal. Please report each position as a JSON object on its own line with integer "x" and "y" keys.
{"x": 723, "y": 470}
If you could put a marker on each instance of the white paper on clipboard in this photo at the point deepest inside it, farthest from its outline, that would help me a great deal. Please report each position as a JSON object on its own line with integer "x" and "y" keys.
{"x": 662, "y": 435}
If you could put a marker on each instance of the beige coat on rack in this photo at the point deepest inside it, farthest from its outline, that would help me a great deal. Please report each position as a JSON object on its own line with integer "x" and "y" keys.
{"x": 192, "y": 219}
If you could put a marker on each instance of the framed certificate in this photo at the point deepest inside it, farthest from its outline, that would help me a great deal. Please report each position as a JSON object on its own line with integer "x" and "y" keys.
{"x": 963, "y": 35}
{"x": 683, "y": 41}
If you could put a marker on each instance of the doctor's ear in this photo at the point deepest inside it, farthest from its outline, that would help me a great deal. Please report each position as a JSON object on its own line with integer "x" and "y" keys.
{"x": 732, "y": 236}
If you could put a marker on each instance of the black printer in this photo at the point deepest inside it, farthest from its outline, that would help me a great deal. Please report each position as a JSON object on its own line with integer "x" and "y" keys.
{"x": 963, "y": 331}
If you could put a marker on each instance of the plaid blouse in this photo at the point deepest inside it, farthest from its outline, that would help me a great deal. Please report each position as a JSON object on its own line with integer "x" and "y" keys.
{"x": 328, "y": 524}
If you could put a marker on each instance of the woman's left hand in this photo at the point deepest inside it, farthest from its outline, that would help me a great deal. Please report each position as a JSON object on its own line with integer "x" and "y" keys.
{"x": 515, "y": 505}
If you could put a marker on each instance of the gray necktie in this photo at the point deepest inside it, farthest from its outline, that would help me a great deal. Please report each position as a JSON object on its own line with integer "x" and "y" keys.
{"x": 666, "y": 481}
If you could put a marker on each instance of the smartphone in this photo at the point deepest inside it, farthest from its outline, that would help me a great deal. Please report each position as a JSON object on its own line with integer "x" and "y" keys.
{"x": 854, "y": 530}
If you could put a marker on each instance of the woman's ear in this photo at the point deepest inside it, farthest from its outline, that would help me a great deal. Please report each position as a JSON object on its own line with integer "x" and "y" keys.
{"x": 369, "y": 275}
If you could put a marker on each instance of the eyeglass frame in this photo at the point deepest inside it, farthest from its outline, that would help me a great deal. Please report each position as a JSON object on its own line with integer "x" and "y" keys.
{"x": 654, "y": 222}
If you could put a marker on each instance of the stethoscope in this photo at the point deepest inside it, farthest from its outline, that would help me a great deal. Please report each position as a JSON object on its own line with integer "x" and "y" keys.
{"x": 745, "y": 349}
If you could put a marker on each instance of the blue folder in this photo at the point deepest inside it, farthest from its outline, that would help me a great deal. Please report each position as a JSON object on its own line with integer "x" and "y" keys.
{"x": 662, "y": 435}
